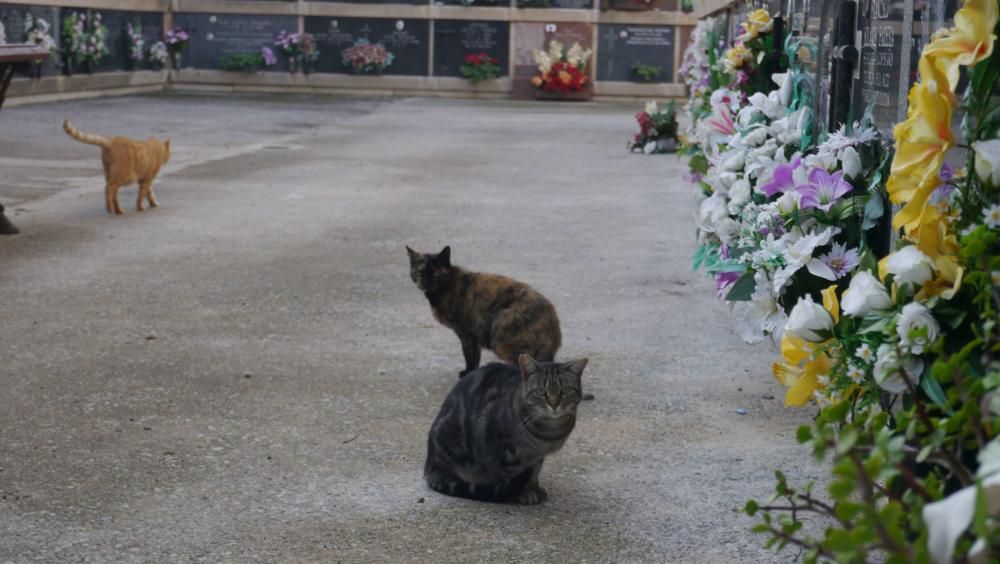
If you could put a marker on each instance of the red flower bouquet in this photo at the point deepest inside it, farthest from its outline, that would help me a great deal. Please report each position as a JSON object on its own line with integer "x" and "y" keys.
{"x": 561, "y": 71}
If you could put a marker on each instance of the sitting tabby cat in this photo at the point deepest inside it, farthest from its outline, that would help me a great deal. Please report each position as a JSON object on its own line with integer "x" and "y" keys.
{"x": 126, "y": 161}
{"x": 487, "y": 310}
{"x": 497, "y": 426}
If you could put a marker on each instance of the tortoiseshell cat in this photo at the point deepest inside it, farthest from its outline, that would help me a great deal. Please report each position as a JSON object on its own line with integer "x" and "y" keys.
{"x": 126, "y": 161}
{"x": 487, "y": 310}
{"x": 496, "y": 427}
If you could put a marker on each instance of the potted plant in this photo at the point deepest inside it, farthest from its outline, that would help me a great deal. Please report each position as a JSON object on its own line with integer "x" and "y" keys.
{"x": 176, "y": 40}
{"x": 158, "y": 55}
{"x": 38, "y": 32}
{"x": 365, "y": 57}
{"x": 136, "y": 45}
{"x": 562, "y": 73}
{"x": 642, "y": 72}
{"x": 309, "y": 52}
{"x": 479, "y": 67}
{"x": 657, "y": 130}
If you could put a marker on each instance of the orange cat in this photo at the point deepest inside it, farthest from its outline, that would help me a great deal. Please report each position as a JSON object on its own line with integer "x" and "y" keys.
{"x": 126, "y": 161}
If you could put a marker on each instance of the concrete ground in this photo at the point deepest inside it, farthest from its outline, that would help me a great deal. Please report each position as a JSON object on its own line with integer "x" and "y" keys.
{"x": 248, "y": 374}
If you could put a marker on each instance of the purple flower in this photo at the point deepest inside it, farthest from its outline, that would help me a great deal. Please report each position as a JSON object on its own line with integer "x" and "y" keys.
{"x": 841, "y": 260}
{"x": 724, "y": 280}
{"x": 823, "y": 189}
{"x": 692, "y": 177}
{"x": 947, "y": 172}
{"x": 269, "y": 57}
{"x": 782, "y": 180}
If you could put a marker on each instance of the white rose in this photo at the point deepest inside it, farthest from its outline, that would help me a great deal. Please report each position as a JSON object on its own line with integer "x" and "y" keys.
{"x": 756, "y": 136}
{"x": 649, "y": 148}
{"x": 864, "y": 295}
{"x": 807, "y": 319}
{"x": 711, "y": 212}
{"x": 784, "y": 82}
{"x": 728, "y": 231}
{"x": 851, "y": 162}
{"x": 910, "y": 266}
{"x": 651, "y": 107}
{"x": 988, "y": 161}
{"x": 889, "y": 368}
{"x": 733, "y": 161}
{"x": 739, "y": 195}
{"x": 917, "y": 328}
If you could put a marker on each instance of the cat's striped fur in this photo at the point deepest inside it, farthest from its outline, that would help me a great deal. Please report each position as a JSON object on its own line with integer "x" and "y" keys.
{"x": 497, "y": 426}
{"x": 487, "y": 310}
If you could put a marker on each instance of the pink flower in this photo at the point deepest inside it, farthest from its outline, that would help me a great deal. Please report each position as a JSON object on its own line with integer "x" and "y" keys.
{"x": 721, "y": 121}
{"x": 823, "y": 189}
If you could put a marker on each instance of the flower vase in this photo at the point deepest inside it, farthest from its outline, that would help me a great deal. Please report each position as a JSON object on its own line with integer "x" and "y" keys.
{"x": 88, "y": 67}
{"x": 36, "y": 71}
{"x": 293, "y": 65}
{"x": 175, "y": 60}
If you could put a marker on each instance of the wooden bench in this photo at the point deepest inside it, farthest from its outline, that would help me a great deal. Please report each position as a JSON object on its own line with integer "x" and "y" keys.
{"x": 10, "y": 57}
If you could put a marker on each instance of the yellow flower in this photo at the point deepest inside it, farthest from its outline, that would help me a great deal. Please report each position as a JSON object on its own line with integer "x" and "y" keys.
{"x": 971, "y": 40}
{"x": 801, "y": 378}
{"x": 831, "y": 303}
{"x": 921, "y": 142}
{"x": 736, "y": 56}
{"x": 761, "y": 20}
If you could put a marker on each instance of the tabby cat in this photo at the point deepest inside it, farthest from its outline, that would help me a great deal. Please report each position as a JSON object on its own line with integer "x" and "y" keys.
{"x": 487, "y": 310}
{"x": 126, "y": 161}
{"x": 497, "y": 426}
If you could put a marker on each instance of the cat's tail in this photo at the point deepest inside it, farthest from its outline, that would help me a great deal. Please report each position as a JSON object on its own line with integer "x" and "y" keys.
{"x": 84, "y": 137}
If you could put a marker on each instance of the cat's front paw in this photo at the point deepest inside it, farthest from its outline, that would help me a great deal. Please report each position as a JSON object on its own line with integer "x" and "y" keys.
{"x": 531, "y": 496}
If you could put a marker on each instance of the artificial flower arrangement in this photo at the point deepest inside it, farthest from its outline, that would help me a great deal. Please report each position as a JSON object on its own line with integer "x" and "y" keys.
{"x": 158, "y": 54}
{"x": 250, "y": 62}
{"x": 176, "y": 41}
{"x": 561, "y": 70}
{"x": 365, "y": 57}
{"x": 39, "y": 32}
{"x": 136, "y": 44}
{"x": 657, "y": 129}
{"x": 478, "y": 67}
{"x": 299, "y": 48}
{"x": 701, "y": 76}
{"x": 83, "y": 43}
{"x": 904, "y": 361}
{"x": 754, "y": 55}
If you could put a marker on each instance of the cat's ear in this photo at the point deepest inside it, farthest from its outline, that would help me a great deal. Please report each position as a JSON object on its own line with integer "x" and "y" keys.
{"x": 575, "y": 367}
{"x": 167, "y": 143}
{"x": 528, "y": 365}
{"x": 445, "y": 256}
{"x": 413, "y": 254}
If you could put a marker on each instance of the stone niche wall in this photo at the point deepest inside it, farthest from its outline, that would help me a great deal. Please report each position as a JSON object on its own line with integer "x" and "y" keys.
{"x": 428, "y": 38}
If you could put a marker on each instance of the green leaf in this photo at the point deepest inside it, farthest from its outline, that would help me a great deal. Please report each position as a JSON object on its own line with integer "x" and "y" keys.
{"x": 839, "y": 541}
{"x": 932, "y": 389}
{"x": 980, "y": 524}
{"x": 743, "y": 289}
{"x": 751, "y": 508}
{"x": 873, "y": 212}
{"x": 803, "y": 434}
{"x": 848, "y": 438}
{"x": 841, "y": 489}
